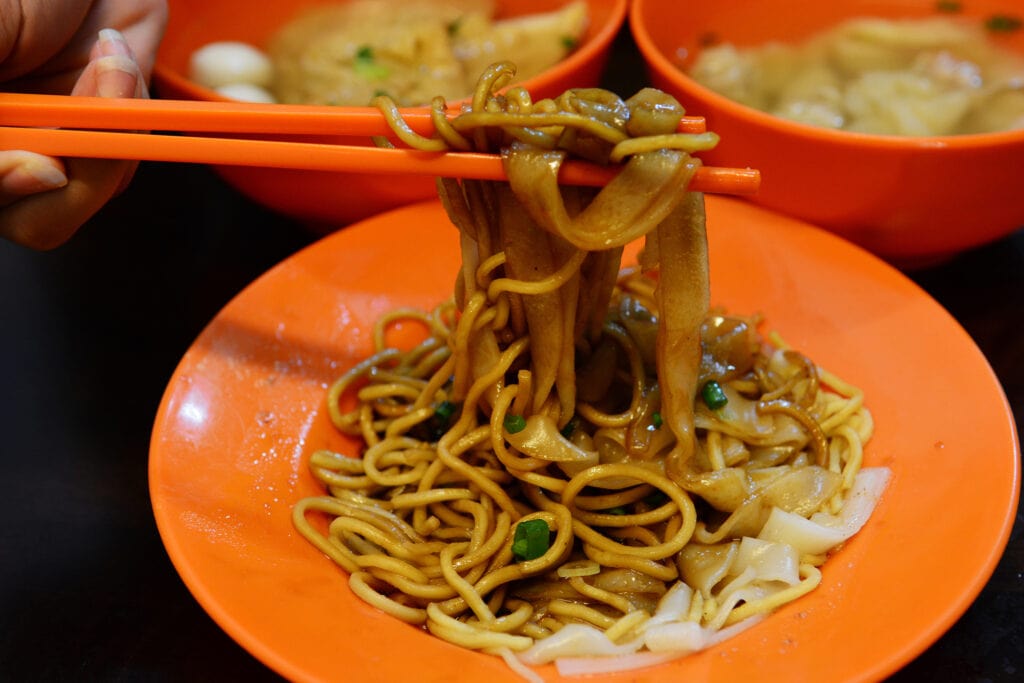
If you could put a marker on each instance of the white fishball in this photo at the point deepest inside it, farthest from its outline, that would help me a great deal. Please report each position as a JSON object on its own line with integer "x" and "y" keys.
{"x": 246, "y": 92}
{"x": 218, "y": 64}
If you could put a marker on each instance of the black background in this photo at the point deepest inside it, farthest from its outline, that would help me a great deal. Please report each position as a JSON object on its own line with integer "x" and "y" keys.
{"x": 89, "y": 336}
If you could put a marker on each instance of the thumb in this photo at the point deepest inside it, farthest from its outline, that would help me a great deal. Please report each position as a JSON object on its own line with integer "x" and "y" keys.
{"x": 112, "y": 72}
{"x": 43, "y": 220}
{"x": 25, "y": 173}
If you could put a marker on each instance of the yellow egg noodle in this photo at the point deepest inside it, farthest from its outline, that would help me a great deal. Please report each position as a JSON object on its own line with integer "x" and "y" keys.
{"x": 581, "y": 459}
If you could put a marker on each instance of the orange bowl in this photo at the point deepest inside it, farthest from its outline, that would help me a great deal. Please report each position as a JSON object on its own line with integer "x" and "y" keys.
{"x": 330, "y": 198}
{"x": 909, "y": 200}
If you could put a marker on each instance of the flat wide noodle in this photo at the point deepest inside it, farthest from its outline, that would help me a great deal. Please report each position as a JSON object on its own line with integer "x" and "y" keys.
{"x": 541, "y": 475}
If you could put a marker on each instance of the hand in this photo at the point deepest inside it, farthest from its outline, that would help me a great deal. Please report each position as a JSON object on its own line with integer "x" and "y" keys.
{"x": 100, "y": 48}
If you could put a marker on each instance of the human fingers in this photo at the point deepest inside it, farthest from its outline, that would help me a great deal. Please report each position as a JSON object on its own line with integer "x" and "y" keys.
{"x": 25, "y": 173}
{"x": 141, "y": 22}
{"x": 112, "y": 70}
{"x": 47, "y": 219}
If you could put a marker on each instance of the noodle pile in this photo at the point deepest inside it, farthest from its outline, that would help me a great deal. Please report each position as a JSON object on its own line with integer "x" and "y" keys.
{"x": 579, "y": 459}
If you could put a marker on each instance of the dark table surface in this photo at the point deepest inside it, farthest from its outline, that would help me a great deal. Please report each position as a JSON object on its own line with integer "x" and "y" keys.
{"x": 89, "y": 336}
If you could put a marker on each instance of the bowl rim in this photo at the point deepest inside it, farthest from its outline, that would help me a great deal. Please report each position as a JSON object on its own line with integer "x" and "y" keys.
{"x": 657, "y": 60}
{"x": 591, "y": 49}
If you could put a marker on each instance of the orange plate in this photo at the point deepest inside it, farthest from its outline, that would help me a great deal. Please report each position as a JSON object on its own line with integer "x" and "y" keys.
{"x": 245, "y": 408}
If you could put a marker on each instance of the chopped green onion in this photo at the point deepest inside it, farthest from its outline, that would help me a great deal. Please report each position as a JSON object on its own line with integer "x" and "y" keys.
{"x": 656, "y": 420}
{"x": 445, "y": 410}
{"x": 713, "y": 395}
{"x": 1003, "y": 23}
{"x": 367, "y": 67}
{"x": 531, "y": 540}
{"x": 570, "y": 427}
{"x": 655, "y": 499}
{"x": 453, "y": 27}
{"x": 514, "y": 423}
{"x": 617, "y": 510}
{"x": 569, "y": 43}
{"x": 435, "y": 427}
{"x": 951, "y": 6}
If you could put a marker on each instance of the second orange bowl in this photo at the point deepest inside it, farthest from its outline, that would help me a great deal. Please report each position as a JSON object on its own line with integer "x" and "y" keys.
{"x": 329, "y": 199}
{"x": 910, "y": 200}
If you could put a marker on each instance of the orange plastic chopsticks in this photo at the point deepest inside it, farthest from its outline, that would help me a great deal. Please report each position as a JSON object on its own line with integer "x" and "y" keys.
{"x": 21, "y": 118}
{"x": 323, "y": 157}
{"x": 17, "y": 109}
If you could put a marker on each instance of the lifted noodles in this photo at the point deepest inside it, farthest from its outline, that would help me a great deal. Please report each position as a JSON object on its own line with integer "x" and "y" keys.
{"x": 580, "y": 460}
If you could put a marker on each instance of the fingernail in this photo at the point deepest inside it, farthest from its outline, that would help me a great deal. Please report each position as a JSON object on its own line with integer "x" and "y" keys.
{"x": 112, "y": 42}
{"x": 32, "y": 176}
{"x": 116, "y": 76}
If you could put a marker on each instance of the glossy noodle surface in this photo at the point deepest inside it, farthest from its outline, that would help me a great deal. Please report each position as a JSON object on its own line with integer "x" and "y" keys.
{"x": 581, "y": 457}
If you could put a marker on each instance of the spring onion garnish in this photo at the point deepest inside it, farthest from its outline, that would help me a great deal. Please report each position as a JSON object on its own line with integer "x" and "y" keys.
{"x": 367, "y": 67}
{"x": 444, "y": 410}
{"x": 617, "y": 510}
{"x": 514, "y": 423}
{"x": 713, "y": 395}
{"x": 532, "y": 539}
{"x": 655, "y": 499}
{"x": 434, "y": 428}
{"x": 656, "y": 420}
{"x": 568, "y": 42}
